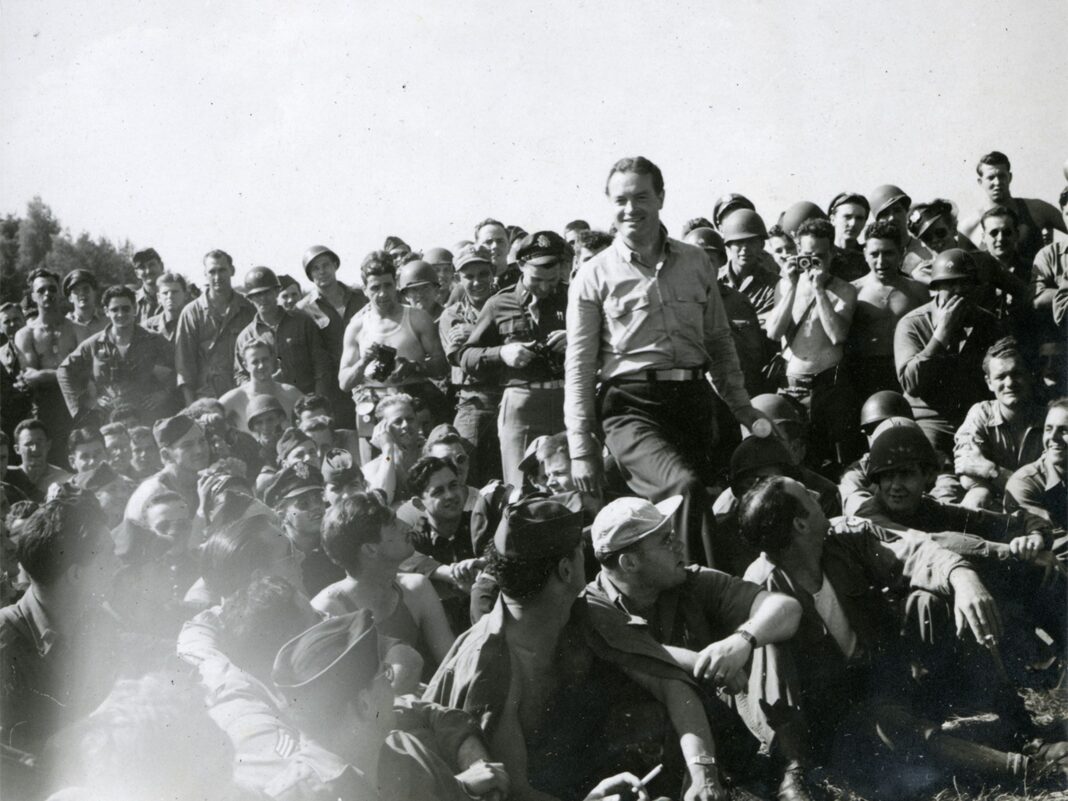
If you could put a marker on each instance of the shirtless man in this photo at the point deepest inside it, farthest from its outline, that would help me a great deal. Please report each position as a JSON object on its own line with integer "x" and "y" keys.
{"x": 42, "y": 344}
{"x": 995, "y": 176}
{"x": 261, "y": 362}
{"x": 884, "y": 296}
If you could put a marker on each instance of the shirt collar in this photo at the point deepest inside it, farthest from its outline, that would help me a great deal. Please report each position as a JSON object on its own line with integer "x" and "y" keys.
{"x": 44, "y": 636}
{"x": 632, "y": 257}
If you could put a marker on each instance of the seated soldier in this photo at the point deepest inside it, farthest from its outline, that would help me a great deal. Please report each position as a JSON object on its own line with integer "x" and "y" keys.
{"x": 1049, "y": 288}
{"x": 843, "y": 687}
{"x": 1039, "y": 487}
{"x": 561, "y": 683}
{"x": 792, "y": 429}
{"x": 34, "y": 476}
{"x": 144, "y": 453}
{"x": 112, "y": 491}
{"x": 184, "y": 452}
{"x": 149, "y": 591}
{"x": 400, "y": 441}
{"x": 444, "y": 442}
{"x": 266, "y": 422}
{"x": 261, "y": 362}
{"x": 150, "y": 737}
{"x": 364, "y": 538}
{"x": 356, "y": 742}
{"x": 85, "y": 449}
{"x": 224, "y": 441}
{"x": 341, "y": 476}
{"x": 710, "y": 622}
{"x": 296, "y": 447}
{"x": 939, "y": 349}
{"x": 444, "y": 551}
{"x": 854, "y": 486}
{"x": 117, "y": 441}
{"x": 295, "y": 493}
{"x": 998, "y": 436}
{"x": 66, "y": 552}
{"x": 1011, "y": 552}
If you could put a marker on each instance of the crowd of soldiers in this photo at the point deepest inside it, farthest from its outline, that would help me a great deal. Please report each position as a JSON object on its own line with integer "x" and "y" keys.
{"x": 571, "y": 515}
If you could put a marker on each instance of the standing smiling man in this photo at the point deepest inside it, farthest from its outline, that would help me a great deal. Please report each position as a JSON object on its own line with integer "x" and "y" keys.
{"x": 645, "y": 319}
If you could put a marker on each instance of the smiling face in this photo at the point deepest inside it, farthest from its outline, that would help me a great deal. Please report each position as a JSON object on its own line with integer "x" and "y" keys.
{"x": 782, "y": 248}
{"x": 455, "y": 452}
{"x": 303, "y": 518}
{"x": 1055, "y": 437}
{"x": 261, "y": 362}
{"x": 636, "y": 206}
{"x": 402, "y": 423}
{"x": 423, "y": 296}
{"x": 118, "y": 451}
{"x": 477, "y": 280}
{"x": 557, "y": 470}
{"x": 121, "y": 313}
{"x": 1009, "y": 381}
{"x": 190, "y": 453}
{"x": 884, "y": 257}
{"x": 289, "y": 297}
{"x": 305, "y": 452}
{"x": 541, "y": 280}
{"x": 265, "y": 301}
{"x": 443, "y": 498}
{"x": 939, "y": 235}
{"x": 147, "y": 272}
{"x": 172, "y": 523}
{"x": 32, "y": 448}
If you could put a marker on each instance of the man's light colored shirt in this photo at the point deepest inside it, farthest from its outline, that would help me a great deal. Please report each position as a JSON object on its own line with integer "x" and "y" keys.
{"x": 626, "y": 317}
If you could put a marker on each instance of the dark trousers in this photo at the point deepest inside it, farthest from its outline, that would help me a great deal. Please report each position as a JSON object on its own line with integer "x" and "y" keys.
{"x": 476, "y": 420}
{"x": 833, "y": 414}
{"x": 663, "y": 435}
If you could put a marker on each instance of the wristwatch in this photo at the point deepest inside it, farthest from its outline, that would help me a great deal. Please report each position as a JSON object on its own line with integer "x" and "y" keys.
{"x": 704, "y": 759}
{"x": 748, "y": 637}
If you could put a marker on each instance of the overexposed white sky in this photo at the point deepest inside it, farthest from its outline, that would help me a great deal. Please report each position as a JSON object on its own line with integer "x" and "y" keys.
{"x": 265, "y": 127}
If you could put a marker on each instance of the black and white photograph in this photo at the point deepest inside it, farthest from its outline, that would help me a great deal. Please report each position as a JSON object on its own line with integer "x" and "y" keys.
{"x": 578, "y": 401}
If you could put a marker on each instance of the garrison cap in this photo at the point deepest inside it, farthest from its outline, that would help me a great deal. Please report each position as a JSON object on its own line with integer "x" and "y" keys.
{"x": 849, "y": 197}
{"x": 79, "y": 276}
{"x": 142, "y": 256}
{"x": 472, "y": 254}
{"x": 542, "y": 249}
{"x": 529, "y": 462}
{"x": 290, "y": 482}
{"x": 312, "y": 253}
{"x": 291, "y": 438}
{"x": 341, "y": 650}
{"x": 260, "y": 405}
{"x": 537, "y": 526}
{"x": 446, "y": 432}
{"x": 626, "y": 521}
{"x": 438, "y": 256}
{"x": 171, "y": 429}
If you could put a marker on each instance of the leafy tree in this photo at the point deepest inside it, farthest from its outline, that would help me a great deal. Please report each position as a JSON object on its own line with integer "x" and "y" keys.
{"x": 11, "y": 282}
{"x": 35, "y": 235}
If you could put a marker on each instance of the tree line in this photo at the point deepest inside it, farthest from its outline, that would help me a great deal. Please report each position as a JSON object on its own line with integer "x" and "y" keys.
{"x": 37, "y": 239}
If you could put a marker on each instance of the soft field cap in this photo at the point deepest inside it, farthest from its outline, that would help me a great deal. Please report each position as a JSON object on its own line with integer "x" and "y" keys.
{"x": 625, "y": 521}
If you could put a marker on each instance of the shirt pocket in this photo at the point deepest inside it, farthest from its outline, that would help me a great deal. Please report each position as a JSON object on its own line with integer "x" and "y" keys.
{"x": 688, "y": 304}
{"x": 625, "y": 315}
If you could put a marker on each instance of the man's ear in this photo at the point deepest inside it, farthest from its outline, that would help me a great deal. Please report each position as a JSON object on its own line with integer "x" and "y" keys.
{"x": 369, "y": 549}
{"x": 627, "y": 562}
{"x": 165, "y": 455}
{"x": 417, "y": 502}
{"x": 564, "y": 569}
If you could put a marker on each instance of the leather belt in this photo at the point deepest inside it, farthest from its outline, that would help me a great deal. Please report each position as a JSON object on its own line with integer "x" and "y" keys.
{"x": 558, "y": 384}
{"x": 652, "y": 376}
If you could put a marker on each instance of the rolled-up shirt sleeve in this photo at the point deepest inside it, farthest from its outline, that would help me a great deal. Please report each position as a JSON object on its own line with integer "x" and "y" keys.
{"x": 584, "y": 321}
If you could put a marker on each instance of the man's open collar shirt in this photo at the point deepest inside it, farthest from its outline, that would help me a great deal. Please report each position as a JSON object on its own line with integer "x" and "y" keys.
{"x": 626, "y": 317}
